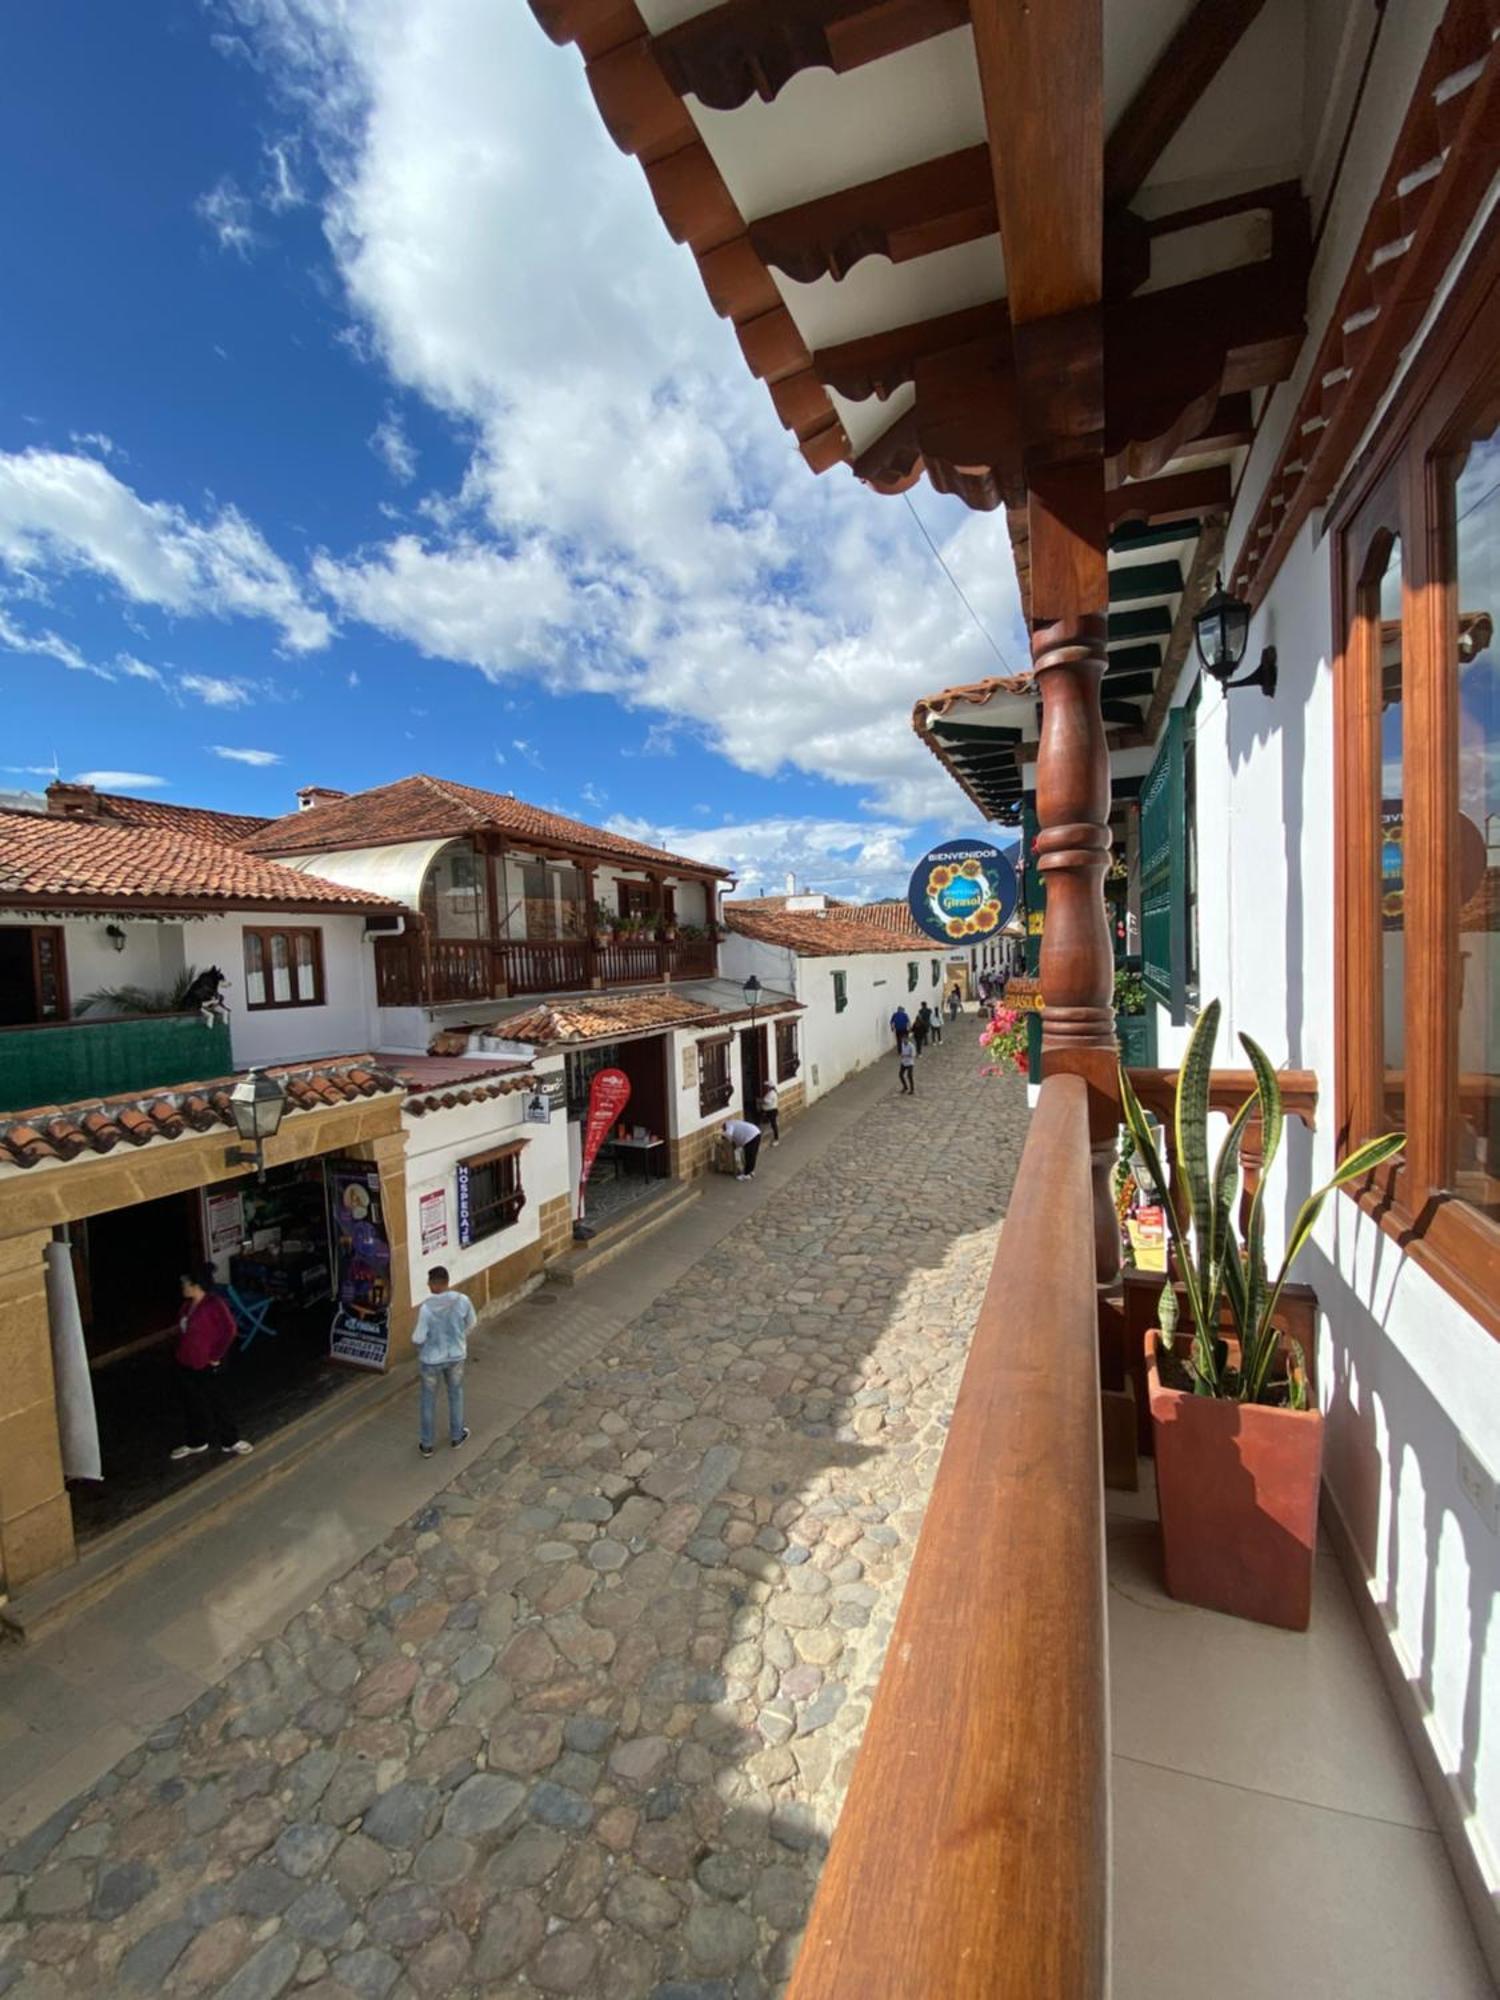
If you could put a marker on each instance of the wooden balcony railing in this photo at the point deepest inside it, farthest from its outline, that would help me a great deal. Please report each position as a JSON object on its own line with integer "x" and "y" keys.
{"x": 1228, "y": 1089}
{"x": 411, "y": 971}
{"x": 971, "y": 1858}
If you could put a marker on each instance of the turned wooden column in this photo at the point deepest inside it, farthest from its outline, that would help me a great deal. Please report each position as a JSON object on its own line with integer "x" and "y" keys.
{"x": 1070, "y": 592}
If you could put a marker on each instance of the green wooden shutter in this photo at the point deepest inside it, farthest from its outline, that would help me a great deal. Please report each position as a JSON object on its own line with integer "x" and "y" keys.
{"x": 1164, "y": 874}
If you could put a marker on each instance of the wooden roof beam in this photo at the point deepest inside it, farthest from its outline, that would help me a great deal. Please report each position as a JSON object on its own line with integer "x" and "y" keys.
{"x": 1182, "y": 72}
{"x": 753, "y": 48}
{"x": 924, "y": 208}
{"x": 1179, "y": 496}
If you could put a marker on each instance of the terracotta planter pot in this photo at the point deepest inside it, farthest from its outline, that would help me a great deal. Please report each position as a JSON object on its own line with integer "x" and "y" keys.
{"x": 1237, "y": 1492}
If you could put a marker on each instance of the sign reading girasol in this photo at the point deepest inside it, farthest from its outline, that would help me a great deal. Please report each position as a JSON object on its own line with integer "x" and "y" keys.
{"x": 963, "y": 891}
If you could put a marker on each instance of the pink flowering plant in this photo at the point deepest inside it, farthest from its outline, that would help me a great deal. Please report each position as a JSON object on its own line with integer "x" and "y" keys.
{"x": 1004, "y": 1041}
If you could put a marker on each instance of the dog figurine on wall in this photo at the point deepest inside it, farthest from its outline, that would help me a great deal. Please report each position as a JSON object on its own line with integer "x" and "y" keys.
{"x": 207, "y": 994}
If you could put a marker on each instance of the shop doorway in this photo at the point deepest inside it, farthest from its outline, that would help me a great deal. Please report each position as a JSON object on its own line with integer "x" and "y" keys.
{"x": 270, "y": 1240}
{"x": 753, "y": 1068}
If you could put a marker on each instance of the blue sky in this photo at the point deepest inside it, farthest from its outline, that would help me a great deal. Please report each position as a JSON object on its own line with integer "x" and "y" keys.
{"x": 357, "y": 416}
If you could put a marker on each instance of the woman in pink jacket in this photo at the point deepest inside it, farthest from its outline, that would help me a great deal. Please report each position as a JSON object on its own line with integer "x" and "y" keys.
{"x": 206, "y": 1333}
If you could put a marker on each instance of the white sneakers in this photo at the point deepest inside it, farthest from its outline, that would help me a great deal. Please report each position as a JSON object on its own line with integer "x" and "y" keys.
{"x": 238, "y": 1449}
{"x": 235, "y": 1450}
{"x": 187, "y": 1450}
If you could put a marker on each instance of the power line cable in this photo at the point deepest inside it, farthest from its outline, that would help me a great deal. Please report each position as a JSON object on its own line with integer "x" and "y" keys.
{"x": 979, "y": 624}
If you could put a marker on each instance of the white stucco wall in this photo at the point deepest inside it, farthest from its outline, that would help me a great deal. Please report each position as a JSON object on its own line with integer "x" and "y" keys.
{"x": 344, "y": 1025}
{"x": 152, "y": 957}
{"x": 1405, "y": 1373}
{"x": 835, "y": 1045}
{"x": 438, "y": 1140}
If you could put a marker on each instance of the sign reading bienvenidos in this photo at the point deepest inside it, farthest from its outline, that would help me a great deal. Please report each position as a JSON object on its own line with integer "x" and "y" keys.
{"x": 963, "y": 891}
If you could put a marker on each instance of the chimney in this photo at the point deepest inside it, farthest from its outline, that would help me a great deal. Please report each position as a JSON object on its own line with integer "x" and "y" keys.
{"x": 791, "y": 883}
{"x": 309, "y": 796}
{"x": 68, "y": 801}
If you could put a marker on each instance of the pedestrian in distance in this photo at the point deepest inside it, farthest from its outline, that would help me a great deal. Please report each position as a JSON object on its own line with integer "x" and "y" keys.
{"x": 770, "y": 1111}
{"x": 441, "y": 1338}
{"x": 906, "y": 1057}
{"x": 205, "y": 1334}
{"x": 921, "y": 1027}
{"x": 742, "y": 1134}
{"x": 955, "y": 1002}
{"x": 900, "y": 1023}
{"x": 935, "y": 1023}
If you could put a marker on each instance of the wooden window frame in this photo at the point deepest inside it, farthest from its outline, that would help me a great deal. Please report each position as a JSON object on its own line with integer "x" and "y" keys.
{"x": 265, "y": 932}
{"x": 1398, "y": 487}
{"x": 788, "y": 1057}
{"x": 509, "y": 1202}
{"x": 715, "y": 1091}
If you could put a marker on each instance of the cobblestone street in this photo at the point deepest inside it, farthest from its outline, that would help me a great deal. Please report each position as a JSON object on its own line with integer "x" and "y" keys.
{"x": 581, "y": 1726}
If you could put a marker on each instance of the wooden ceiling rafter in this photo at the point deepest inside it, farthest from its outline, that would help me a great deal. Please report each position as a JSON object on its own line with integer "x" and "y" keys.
{"x": 1203, "y": 43}
{"x": 753, "y": 48}
{"x": 1448, "y": 144}
{"x": 912, "y": 213}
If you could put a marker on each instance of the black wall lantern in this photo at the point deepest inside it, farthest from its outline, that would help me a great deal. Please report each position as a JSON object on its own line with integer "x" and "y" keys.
{"x": 116, "y": 937}
{"x": 1220, "y": 630}
{"x": 257, "y": 1102}
{"x": 752, "y": 991}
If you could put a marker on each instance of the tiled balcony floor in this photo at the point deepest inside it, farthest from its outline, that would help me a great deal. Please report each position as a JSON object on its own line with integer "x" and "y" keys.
{"x": 1271, "y": 1837}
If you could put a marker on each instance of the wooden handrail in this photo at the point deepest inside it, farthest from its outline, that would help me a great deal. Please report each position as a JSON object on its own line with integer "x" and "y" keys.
{"x": 1227, "y": 1091}
{"x": 971, "y": 1857}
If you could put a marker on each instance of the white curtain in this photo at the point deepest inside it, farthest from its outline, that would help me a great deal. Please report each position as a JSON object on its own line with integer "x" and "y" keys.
{"x": 73, "y": 1387}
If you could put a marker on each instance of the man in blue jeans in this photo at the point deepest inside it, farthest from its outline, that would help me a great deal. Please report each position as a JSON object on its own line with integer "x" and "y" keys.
{"x": 441, "y": 1338}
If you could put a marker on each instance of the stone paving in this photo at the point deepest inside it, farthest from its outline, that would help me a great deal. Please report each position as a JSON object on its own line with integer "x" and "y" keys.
{"x": 582, "y": 1726}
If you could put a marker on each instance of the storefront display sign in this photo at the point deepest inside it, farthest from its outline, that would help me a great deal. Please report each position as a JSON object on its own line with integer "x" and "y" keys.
{"x": 223, "y": 1223}
{"x": 609, "y": 1093}
{"x": 432, "y": 1211}
{"x": 962, "y": 891}
{"x": 362, "y": 1262}
{"x": 539, "y": 1108}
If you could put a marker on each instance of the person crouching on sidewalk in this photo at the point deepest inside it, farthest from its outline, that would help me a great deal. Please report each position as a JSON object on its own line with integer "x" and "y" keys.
{"x": 741, "y": 1133}
{"x": 206, "y": 1333}
{"x": 441, "y": 1338}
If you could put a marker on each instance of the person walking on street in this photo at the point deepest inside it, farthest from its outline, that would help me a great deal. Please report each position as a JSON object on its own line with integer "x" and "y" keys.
{"x": 740, "y": 1132}
{"x": 900, "y": 1023}
{"x": 955, "y": 1002}
{"x": 935, "y": 1022}
{"x": 906, "y": 1054}
{"x": 206, "y": 1333}
{"x": 770, "y": 1111}
{"x": 441, "y": 1338}
{"x": 921, "y": 1026}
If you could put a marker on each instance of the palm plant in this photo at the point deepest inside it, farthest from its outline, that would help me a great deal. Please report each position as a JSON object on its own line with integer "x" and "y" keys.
{"x": 1212, "y": 1263}
{"x": 143, "y": 999}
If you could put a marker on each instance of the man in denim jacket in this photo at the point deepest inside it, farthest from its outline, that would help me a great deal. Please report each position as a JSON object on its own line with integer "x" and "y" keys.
{"x": 441, "y": 1338}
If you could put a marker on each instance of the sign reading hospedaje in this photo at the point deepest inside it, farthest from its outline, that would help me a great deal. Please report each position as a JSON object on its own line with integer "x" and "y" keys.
{"x": 963, "y": 892}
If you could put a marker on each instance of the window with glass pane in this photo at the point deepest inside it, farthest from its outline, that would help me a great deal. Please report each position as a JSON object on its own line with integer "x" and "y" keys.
{"x": 281, "y": 969}
{"x": 305, "y": 959}
{"x": 1474, "y": 1122}
{"x": 572, "y": 904}
{"x": 1383, "y": 604}
{"x": 255, "y": 970}
{"x": 541, "y": 910}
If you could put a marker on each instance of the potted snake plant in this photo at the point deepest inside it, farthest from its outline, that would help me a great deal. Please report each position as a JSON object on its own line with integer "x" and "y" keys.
{"x": 1239, "y": 1450}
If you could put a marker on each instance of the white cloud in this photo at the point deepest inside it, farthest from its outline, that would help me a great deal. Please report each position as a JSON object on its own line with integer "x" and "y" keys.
{"x": 394, "y": 448}
{"x": 230, "y": 214}
{"x": 120, "y": 781}
{"x": 258, "y": 758}
{"x": 98, "y": 441}
{"x": 61, "y": 512}
{"x": 633, "y": 520}
{"x": 217, "y": 692}
{"x": 283, "y": 186}
{"x": 47, "y": 645}
{"x": 858, "y": 859}
{"x": 137, "y": 670}
{"x": 524, "y": 749}
{"x": 592, "y": 796}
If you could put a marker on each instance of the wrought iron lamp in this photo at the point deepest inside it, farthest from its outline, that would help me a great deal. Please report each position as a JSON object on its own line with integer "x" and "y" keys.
{"x": 752, "y": 992}
{"x": 116, "y": 936}
{"x": 1220, "y": 630}
{"x": 258, "y": 1103}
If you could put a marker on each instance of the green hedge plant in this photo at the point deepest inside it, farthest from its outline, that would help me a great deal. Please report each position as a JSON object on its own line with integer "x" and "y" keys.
{"x": 1212, "y": 1263}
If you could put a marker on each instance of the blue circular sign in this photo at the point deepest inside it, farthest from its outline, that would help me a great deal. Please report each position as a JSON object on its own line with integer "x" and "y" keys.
{"x": 963, "y": 892}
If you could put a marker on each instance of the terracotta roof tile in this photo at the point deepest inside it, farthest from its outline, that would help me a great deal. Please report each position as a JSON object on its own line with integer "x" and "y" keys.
{"x": 425, "y": 808}
{"x": 812, "y": 934}
{"x": 61, "y": 1132}
{"x": 48, "y": 862}
{"x": 202, "y": 820}
{"x": 603, "y": 1017}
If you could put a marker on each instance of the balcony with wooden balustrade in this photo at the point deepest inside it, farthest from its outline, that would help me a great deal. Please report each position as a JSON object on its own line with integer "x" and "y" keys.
{"x": 420, "y": 971}
{"x": 1072, "y": 1785}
